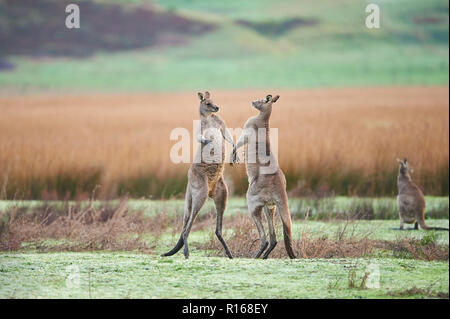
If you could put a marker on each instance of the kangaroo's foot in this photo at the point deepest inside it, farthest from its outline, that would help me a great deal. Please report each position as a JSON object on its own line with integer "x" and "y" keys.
{"x": 261, "y": 250}
{"x": 269, "y": 250}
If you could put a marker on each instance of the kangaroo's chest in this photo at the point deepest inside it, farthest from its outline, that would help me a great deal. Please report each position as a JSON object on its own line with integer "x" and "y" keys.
{"x": 211, "y": 128}
{"x": 213, "y": 152}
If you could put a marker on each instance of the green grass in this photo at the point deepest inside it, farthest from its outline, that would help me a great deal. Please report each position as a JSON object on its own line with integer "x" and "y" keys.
{"x": 338, "y": 51}
{"x": 131, "y": 275}
{"x": 374, "y": 229}
{"x": 29, "y": 273}
{"x": 324, "y": 208}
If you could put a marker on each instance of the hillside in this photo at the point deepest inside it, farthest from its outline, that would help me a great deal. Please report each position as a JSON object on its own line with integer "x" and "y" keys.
{"x": 191, "y": 44}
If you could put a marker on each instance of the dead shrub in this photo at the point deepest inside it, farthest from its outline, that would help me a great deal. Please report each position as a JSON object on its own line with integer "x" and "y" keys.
{"x": 78, "y": 227}
{"x": 106, "y": 228}
{"x": 419, "y": 291}
{"x": 416, "y": 249}
{"x": 244, "y": 242}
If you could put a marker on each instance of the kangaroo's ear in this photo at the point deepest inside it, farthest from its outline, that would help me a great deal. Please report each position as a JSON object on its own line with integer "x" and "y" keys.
{"x": 200, "y": 96}
{"x": 207, "y": 95}
{"x": 275, "y": 98}
{"x": 268, "y": 97}
{"x": 400, "y": 161}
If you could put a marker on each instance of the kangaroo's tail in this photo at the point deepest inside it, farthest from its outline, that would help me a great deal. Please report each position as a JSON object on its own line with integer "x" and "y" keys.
{"x": 285, "y": 215}
{"x": 187, "y": 212}
{"x": 423, "y": 225}
{"x": 175, "y": 249}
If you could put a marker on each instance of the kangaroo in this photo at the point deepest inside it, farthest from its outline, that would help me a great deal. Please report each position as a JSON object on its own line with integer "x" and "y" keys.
{"x": 410, "y": 200}
{"x": 267, "y": 187}
{"x": 205, "y": 176}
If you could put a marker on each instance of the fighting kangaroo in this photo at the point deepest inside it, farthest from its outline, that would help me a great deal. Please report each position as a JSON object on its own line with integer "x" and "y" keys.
{"x": 205, "y": 176}
{"x": 410, "y": 200}
{"x": 267, "y": 184}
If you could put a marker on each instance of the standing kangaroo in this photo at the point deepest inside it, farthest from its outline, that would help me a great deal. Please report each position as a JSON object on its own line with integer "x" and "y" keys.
{"x": 267, "y": 184}
{"x": 410, "y": 200}
{"x": 205, "y": 176}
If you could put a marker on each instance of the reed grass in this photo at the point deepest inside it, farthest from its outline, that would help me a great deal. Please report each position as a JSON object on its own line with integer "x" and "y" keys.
{"x": 331, "y": 141}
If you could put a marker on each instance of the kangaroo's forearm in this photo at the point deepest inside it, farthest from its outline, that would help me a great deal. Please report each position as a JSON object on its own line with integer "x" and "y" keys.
{"x": 241, "y": 142}
{"x": 202, "y": 139}
{"x": 228, "y": 138}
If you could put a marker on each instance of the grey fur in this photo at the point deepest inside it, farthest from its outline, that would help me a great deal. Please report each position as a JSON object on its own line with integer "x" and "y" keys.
{"x": 205, "y": 179}
{"x": 265, "y": 191}
{"x": 410, "y": 200}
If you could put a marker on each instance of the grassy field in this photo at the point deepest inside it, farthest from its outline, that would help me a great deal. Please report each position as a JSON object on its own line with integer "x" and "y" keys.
{"x": 74, "y": 115}
{"x": 256, "y": 44}
{"x": 87, "y": 114}
{"x": 119, "y": 257}
{"x": 384, "y": 208}
{"x": 61, "y": 147}
{"x": 131, "y": 275}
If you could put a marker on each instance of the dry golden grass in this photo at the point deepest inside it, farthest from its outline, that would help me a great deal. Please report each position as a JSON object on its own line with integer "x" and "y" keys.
{"x": 343, "y": 141}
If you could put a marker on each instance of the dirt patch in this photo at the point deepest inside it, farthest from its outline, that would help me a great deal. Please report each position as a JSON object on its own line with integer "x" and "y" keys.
{"x": 37, "y": 28}
{"x": 415, "y": 249}
{"x": 418, "y": 291}
{"x": 428, "y": 20}
{"x": 6, "y": 66}
{"x": 277, "y": 27}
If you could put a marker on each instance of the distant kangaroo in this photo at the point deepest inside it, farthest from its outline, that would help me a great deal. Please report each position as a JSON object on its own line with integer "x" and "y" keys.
{"x": 205, "y": 176}
{"x": 410, "y": 200}
{"x": 267, "y": 184}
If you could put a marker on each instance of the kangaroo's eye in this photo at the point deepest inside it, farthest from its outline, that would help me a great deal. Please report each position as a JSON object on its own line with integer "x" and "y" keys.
{"x": 208, "y": 104}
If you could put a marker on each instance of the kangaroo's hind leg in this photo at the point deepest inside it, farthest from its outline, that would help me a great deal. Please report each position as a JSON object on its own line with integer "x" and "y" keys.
{"x": 270, "y": 212}
{"x": 256, "y": 211}
{"x": 220, "y": 201}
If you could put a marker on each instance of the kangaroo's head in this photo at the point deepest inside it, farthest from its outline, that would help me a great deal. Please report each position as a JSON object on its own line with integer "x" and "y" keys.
{"x": 207, "y": 106}
{"x": 264, "y": 106}
{"x": 404, "y": 168}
